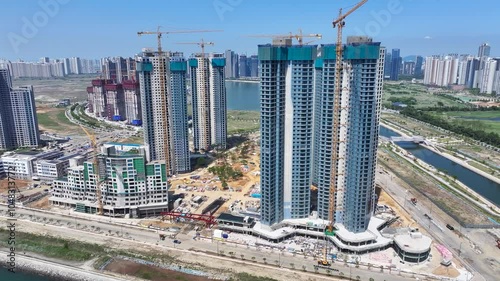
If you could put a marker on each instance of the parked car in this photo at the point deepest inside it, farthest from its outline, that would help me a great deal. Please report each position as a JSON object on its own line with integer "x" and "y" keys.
{"x": 177, "y": 241}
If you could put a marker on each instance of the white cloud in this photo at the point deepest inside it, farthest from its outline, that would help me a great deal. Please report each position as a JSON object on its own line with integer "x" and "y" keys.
{"x": 427, "y": 37}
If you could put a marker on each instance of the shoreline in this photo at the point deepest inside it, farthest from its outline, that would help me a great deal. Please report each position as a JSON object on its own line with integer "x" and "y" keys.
{"x": 58, "y": 270}
{"x": 243, "y": 81}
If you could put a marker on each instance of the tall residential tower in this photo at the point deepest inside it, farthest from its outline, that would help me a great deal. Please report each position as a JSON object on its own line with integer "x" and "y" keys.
{"x": 297, "y": 94}
{"x": 209, "y": 101}
{"x": 163, "y": 100}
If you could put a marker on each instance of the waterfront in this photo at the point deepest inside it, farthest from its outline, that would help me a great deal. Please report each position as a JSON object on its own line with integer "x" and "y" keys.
{"x": 483, "y": 186}
{"x": 22, "y": 276}
{"x": 242, "y": 96}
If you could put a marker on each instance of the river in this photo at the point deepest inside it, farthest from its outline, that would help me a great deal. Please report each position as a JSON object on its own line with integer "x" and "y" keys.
{"x": 483, "y": 186}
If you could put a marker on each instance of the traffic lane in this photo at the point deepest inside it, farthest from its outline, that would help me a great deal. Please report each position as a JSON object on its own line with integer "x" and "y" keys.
{"x": 450, "y": 240}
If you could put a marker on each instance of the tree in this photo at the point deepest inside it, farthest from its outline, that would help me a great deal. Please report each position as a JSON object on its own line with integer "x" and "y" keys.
{"x": 253, "y": 259}
{"x": 277, "y": 262}
{"x": 265, "y": 260}
{"x": 371, "y": 279}
{"x": 292, "y": 265}
{"x": 358, "y": 277}
{"x": 304, "y": 268}
{"x": 242, "y": 256}
{"x": 381, "y": 268}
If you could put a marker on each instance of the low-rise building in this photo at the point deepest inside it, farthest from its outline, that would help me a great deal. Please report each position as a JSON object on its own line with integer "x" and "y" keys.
{"x": 23, "y": 165}
{"x": 50, "y": 169}
{"x": 131, "y": 186}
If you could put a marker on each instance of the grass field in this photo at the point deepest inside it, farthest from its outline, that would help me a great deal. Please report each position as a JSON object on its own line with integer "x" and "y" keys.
{"x": 422, "y": 97}
{"x": 488, "y": 121}
{"x": 54, "y": 120}
{"x": 242, "y": 121}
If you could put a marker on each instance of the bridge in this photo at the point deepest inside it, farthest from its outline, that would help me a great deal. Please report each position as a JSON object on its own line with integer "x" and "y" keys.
{"x": 415, "y": 139}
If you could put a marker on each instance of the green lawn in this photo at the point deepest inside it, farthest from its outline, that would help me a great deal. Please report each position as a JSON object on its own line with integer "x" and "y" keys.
{"x": 419, "y": 93}
{"x": 46, "y": 120}
{"x": 242, "y": 121}
{"x": 481, "y": 123}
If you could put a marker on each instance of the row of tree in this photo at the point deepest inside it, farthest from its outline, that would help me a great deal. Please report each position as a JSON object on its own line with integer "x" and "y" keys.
{"x": 489, "y": 138}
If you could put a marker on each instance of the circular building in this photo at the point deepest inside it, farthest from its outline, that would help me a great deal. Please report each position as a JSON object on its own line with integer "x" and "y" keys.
{"x": 412, "y": 247}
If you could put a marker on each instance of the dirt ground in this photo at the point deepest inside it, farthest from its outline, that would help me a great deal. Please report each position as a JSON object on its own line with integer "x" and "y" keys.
{"x": 21, "y": 184}
{"x": 150, "y": 272}
{"x": 404, "y": 218}
{"x": 447, "y": 271}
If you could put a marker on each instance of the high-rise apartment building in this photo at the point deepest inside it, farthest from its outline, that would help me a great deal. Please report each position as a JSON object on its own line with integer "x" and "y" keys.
{"x": 254, "y": 66}
{"x": 160, "y": 104}
{"x": 388, "y": 65}
{"x": 209, "y": 101}
{"x": 243, "y": 66}
{"x": 287, "y": 96}
{"x": 362, "y": 83}
{"x": 178, "y": 112}
{"x": 18, "y": 120}
{"x": 484, "y": 50}
{"x": 418, "y": 66}
{"x": 296, "y": 145}
{"x": 396, "y": 64}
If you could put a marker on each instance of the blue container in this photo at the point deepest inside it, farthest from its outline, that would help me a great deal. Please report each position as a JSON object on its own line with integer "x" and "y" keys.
{"x": 225, "y": 235}
{"x": 117, "y": 118}
{"x": 256, "y": 195}
{"x": 137, "y": 122}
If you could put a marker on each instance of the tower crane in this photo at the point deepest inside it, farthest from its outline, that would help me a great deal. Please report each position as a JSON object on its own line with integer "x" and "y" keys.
{"x": 161, "y": 73}
{"x": 202, "y": 44}
{"x": 298, "y": 36}
{"x": 95, "y": 161}
{"x": 339, "y": 23}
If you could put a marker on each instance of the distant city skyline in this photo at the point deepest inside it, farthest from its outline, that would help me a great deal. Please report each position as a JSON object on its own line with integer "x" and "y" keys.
{"x": 61, "y": 28}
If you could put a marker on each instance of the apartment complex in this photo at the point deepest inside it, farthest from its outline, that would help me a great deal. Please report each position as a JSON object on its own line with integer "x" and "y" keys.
{"x": 209, "y": 101}
{"x": 47, "y": 68}
{"x": 118, "y": 69}
{"x": 132, "y": 186}
{"x": 160, "y": 105}
{"x": 115, "y": 101}
{"x": 297, "y": 93}
{"x": 479, "y": 72}
{"x": 18, "y": 120}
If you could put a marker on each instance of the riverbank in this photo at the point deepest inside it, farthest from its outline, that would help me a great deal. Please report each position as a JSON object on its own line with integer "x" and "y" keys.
{"x": 243, "y": 81}
{"x": 53, "y": 270}
{"x": 486, "y": 204}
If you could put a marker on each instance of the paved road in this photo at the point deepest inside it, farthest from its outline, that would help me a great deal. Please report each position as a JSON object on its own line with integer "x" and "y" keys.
{"x": 103, "y": 230}
{"x": 437, "y": 228}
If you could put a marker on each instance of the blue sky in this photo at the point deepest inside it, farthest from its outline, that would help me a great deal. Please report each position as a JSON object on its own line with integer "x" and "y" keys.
{"x": 98, "y": 28}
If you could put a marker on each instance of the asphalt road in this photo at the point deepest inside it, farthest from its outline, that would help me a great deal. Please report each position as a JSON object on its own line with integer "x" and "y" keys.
{"x": 436, "y": 226}
{"x": 103, "y": 231}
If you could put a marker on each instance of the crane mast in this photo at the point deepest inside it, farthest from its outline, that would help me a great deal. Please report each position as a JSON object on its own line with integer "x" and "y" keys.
{"x": 161, "y": 73}
{"x": 339, "y": 23}
{"x": 96, "y": 170}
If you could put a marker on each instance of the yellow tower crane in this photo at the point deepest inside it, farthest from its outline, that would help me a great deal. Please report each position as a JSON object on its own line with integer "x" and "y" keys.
{"x": 98, "y": 181}
{"x": 202, "y": 44}
{"x": 161, "y": 73}
{"x": 339, "y": 23}
{"x": 298, "y": 36}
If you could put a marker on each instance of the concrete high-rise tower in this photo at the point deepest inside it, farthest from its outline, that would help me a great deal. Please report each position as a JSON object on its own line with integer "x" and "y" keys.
{"x": 297, "y": 94}
{"x": 287, "y": 92}
{"x": 162, "y": 102}
{"x": 484, "y": 50}
{"x": 18, "y": 120}
{"x": 362, "y": 82}
{"x": 209, "y": 101}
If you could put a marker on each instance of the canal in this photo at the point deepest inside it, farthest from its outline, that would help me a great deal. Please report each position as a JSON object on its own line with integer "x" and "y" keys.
{"x": 483, "y": 186}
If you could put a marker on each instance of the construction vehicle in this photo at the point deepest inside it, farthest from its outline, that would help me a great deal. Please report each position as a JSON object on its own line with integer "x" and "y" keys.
{"x": 339, "y": 23}
{"x": 298, "y": 36}
{"x": 323, "y": 262}
{"x": 413, "y": 201}
{"x": 96, "y": 170}
{"x": 163, "y": 95}
{"x": 162, "y": 237}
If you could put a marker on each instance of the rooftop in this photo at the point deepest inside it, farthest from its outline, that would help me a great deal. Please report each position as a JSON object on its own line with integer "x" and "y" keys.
{"x": 413, "y": 242}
